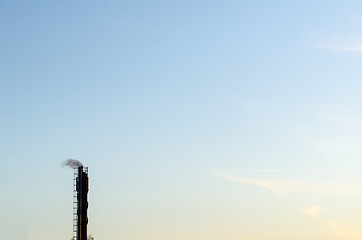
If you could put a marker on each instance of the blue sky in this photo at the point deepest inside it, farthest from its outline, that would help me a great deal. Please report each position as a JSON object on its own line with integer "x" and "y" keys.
{"x": 199, "y": 120}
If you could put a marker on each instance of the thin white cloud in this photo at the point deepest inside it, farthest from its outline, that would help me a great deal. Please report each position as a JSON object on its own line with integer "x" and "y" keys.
{"x": 265, "y": 170}
{"x": 340, "y": 229}
{"x": 330, "y": 149}
{"x": 342, "y": 47}
{"x": 344, "y": 138}
{"x": 344, "y": 142}
{"x": 348, "y": 41}
{"x": 342, "y": 119}
{"x": 336, "y": 228}
{"x": 312, "y": 211}
{"x": 279, "y": 187}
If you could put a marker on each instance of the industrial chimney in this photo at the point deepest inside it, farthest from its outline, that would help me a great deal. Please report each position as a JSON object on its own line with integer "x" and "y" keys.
{"x": 80, "y": 207}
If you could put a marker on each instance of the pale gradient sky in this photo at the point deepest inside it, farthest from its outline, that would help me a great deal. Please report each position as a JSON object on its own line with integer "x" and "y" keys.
{"x": 198, "y": 120}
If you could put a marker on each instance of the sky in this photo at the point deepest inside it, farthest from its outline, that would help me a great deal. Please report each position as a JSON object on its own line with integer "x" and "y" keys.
{"x": 198, "y": 120}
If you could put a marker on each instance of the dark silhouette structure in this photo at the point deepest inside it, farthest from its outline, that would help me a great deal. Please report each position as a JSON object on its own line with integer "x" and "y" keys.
{"x": 81, "y": 187}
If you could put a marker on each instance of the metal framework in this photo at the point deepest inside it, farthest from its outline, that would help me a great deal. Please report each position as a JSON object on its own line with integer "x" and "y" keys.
{"x": 76, "y": 201}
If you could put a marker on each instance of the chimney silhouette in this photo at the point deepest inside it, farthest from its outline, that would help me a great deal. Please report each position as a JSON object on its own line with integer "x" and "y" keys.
{"x": 81, "y": 203}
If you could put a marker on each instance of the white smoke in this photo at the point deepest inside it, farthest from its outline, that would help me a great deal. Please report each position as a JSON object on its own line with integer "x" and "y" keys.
{"x": 72, "y": 163}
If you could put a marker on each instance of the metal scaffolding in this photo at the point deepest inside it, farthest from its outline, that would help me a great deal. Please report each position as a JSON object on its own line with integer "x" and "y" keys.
{"x": 76, "y": 201}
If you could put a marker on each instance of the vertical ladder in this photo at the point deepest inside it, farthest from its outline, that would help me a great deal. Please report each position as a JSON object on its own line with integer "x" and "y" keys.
{"x": 75, "y": 205}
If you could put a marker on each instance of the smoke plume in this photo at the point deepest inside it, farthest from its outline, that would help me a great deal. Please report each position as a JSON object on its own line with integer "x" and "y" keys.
{"x": 72, "y": 163}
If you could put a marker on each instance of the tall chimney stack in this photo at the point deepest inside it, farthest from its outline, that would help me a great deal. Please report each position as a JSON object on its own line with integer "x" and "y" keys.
{"x": 81, "y": 187}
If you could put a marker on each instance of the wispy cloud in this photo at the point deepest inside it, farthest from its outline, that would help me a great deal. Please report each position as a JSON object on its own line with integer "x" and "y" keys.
{"x": 342, "y": 47}
{"x": 265, "y": 171}
{"x": 345, "y": 139}
{"x": 277, "y": 187}
{"x": 343, "y": 119}
{"x": 312, "y": 211}
{"x": 280, "y": 187}
{"x": 349, "y": 41}
{"x": 336, "y": 228}
{"x": 330, "y": 149}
